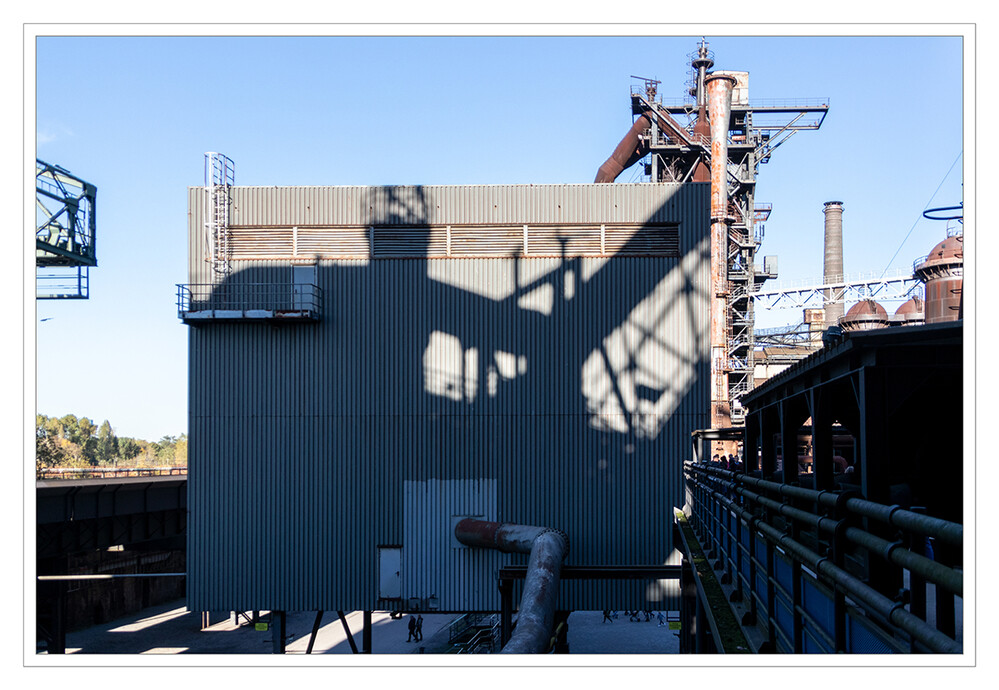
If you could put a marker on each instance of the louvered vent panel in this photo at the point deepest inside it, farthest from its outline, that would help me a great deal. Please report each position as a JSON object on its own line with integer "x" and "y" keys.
{"x": 410, "y": 242}
{"x": 487, "y": 241}
{"x": 563, "y": 241}
{"x": 642, "y": 241}
{"x": 333, "y": 242}
{"x": 245, "y": 243}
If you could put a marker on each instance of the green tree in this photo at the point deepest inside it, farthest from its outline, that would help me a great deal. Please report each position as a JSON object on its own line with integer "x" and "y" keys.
{"x": 128, "y": 448}
{"x": 107, "y": 444}
{"x": 70, "y": 428}
{"x": 180, "y": 451}
{"x": 48, "y": 453}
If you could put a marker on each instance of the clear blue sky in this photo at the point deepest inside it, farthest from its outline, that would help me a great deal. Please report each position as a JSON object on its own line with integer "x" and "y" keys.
{"x": 134, "y": 116}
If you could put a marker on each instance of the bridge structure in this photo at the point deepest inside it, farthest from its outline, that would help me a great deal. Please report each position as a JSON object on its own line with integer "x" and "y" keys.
{"x": 807, "y": 544}
{"x": 76, "y": 518}
{"x": 894, "y": 287}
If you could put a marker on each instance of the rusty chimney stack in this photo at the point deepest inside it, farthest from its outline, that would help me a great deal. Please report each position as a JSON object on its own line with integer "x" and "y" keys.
{"x": 702, "y": 130}
{"x": 719, "y": 96}
{"x": 833, "y": 263}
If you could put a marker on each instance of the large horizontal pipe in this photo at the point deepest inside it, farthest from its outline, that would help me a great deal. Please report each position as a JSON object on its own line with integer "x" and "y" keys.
{"x": 891, "y": 611}
{"x": 937, "y": 573}
{"x": 948, "y": 532}
{"x": 548, "y": 548}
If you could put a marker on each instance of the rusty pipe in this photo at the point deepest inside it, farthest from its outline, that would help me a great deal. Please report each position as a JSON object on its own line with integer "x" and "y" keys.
{"x": 719, "y": 95}
{"x": 548, "y": 548}
{"x": 628, "y": 152}
{"x": 719, "y": 88}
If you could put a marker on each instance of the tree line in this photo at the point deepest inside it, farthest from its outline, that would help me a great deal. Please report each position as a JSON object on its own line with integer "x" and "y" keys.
{"x": 72, "y": 441}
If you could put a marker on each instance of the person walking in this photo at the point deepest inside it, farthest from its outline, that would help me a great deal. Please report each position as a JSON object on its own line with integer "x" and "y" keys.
{"x": 607, "y": 617}
{"x": 419, "y": 628}
{"x": 412, "y": 630}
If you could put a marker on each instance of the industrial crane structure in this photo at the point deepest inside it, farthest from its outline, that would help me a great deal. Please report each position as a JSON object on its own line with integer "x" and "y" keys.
{"x": 65, "y": 233}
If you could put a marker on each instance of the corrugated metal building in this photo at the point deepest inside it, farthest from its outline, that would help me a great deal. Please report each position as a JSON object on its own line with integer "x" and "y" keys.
{"x": 535, "y": 354}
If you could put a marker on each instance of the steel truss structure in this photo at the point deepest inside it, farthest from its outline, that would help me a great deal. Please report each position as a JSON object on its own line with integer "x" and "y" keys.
{"x": 680, "y": 151}
{"x": 65, "y": 233}
{"x": 884, "y": 289}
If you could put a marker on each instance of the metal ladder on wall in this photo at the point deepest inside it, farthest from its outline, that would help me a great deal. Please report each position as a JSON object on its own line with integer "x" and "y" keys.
{"x": 220, "y": 175}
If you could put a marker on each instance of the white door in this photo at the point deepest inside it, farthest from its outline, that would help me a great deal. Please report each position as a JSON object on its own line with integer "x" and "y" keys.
{"x": 389, "y": 568}
{"x": 303, "y": 287}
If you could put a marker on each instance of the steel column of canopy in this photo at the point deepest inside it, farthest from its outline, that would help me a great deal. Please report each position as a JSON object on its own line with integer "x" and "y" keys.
{"x": 719, "y": 95}
{"x": 548, "y": 548}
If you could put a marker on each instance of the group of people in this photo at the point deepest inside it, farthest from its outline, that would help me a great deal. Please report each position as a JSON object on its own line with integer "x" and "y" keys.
{"x": 729, "y": 462}
{"x": 415, "y": 629}
{"x": 633, "y": 616}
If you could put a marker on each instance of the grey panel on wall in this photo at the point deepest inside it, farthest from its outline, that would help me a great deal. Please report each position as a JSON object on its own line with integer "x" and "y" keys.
{"x": 558, "y": 391}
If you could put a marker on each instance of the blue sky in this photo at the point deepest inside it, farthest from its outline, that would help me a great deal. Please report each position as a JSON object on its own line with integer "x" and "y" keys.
{"x": 134, "y": 116}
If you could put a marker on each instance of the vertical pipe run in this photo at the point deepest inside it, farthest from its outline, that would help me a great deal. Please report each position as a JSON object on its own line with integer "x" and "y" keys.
{"x": 833, "y": 261}
{"x": 719, "y": 94}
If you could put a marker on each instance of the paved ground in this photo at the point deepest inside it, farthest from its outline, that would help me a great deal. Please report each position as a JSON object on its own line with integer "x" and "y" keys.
{"x": 171, "y": 629}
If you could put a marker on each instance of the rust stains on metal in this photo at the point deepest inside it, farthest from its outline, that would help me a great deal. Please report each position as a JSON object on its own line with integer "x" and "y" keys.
{"x": 942, "y": 271}
{"x": 631, "y": 148}
{"x": 548, "y": 548}
{"x": 719, "y": 97}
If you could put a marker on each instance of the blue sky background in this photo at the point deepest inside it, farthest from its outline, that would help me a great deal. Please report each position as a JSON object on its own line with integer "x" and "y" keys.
{"x": 134, "y": 116}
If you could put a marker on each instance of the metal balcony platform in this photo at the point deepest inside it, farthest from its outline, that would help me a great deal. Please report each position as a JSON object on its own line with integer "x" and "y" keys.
{"x": 247, "y": 302}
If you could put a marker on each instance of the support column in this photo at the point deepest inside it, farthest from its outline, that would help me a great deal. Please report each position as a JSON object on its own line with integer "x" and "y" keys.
{"x": 315, "y": 631}
{"x": 366, "y": 633}
{"x": 822, "y": 450}
{"x": 768, "y": 442}
{"x": 789, "y": 441}
{"x": 874, "y": 473}
{"x": 55, "y": 593}
{"x": 506, "y": 611}
{"x": 278, "y": 632}
{"x": 346, "y": 630}
{"x": 750, "y": 446}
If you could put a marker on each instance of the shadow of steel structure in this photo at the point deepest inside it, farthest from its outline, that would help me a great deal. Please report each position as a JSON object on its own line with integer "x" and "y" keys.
{"x": 868, "y": 560}
{"x": 529, "y": 353}
{"x": 65, "y": 233}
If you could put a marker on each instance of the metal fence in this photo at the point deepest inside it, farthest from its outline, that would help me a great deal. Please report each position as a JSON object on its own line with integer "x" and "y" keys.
{"x": 804, "y": 566}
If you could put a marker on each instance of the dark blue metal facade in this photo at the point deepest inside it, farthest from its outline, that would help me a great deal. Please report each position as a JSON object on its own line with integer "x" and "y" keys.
{"x": 557, "y": 391}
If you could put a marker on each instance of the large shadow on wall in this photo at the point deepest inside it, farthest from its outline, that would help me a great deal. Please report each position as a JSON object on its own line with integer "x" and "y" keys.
{"x": 567, "y": 385}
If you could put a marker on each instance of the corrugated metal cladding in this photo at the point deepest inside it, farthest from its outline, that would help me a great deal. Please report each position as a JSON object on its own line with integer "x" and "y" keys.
{"x": 453, "y": 204}
{"x": 543, "y": 391}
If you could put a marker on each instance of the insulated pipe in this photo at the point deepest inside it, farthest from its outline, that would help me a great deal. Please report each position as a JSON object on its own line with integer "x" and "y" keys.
{"x": 942, "y": 530}
{"x": 833, "y": 261}
{"x": 548, "y": 548}
{"x": 893, "y": 612}
{"x": 627, "y": 153}
{"x": 719, "y": 94}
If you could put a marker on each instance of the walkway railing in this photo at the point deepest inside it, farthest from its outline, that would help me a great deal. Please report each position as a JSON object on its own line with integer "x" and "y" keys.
{"x": 823, "y": 572}
{"x": 107, "y": 472}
